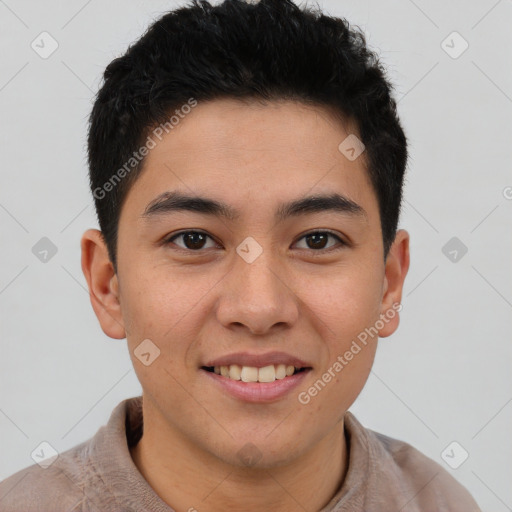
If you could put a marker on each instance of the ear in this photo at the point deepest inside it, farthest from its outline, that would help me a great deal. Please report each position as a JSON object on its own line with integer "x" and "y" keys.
{"x": 103, "y": 285}
{"x": 396, "y": 267}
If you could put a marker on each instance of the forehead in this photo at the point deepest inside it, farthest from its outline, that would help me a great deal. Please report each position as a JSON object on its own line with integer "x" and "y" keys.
{"x": 252, "y": 154}
{"x": 231, "y": 128}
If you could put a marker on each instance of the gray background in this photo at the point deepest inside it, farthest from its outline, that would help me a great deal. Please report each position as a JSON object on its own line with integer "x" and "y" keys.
{"x": 443, "y": 377}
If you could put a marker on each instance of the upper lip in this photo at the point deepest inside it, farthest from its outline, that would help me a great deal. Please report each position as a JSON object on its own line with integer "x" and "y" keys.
{"x": 258, "y": 360}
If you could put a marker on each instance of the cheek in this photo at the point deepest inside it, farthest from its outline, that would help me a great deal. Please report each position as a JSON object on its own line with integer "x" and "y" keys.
{"x": 159, "y": 308}
{"x": 346, "y": 307}
{"x": 166, "y": 307}
{"x": 155, "y": 299}
{"x": 337, "y": 384}
{"x": 347, "y": 301}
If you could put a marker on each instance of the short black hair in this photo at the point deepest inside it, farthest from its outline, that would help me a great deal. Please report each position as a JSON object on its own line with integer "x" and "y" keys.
{"x": 270, "y": 50}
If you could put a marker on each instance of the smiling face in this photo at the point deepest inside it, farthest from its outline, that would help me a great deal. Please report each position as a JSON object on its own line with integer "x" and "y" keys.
{"x": 251, "y": 241}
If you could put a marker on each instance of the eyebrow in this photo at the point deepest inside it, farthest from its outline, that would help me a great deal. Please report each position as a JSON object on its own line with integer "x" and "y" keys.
{"x": 175, "y": 201}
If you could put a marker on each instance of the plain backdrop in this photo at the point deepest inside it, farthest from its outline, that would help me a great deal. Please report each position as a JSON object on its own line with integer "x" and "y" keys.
{"x": 443, "y": 377}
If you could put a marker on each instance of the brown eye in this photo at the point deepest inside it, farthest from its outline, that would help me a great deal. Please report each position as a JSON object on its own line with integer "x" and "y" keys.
{"x": 195, "y": 241}
{"x": 318, "y": 240}
{"x": 192, "y": 240}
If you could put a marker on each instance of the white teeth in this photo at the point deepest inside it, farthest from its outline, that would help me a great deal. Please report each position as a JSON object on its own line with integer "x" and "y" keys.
{"x": 267, "y": 374}
{"x": 249, "y": 374}
{"x": 235, "y": 372}
{"x": 252, "y": 374}
{"x": 280, "y": 371}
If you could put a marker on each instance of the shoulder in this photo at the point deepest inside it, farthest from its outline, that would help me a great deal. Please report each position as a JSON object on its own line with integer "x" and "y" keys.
{"x": 416, "y": 480}
{"x": 430, "y": 482}
{"x": 56, "y": 487}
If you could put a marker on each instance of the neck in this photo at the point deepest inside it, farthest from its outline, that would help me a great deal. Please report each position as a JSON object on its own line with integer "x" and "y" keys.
{"x": 189, "y": 479}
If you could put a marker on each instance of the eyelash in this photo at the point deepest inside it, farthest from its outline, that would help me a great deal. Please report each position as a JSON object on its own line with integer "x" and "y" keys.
{"x": 324, "y": 232}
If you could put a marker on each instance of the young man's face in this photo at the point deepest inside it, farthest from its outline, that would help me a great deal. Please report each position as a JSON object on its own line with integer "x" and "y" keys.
{"x": 256, "y": 291}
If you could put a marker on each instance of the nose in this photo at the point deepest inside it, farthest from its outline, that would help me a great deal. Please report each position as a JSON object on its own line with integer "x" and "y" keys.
{"x": 257, "y": 296}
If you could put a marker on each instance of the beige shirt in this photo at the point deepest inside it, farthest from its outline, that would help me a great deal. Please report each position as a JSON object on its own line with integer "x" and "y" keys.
{"x": 98, "y": 475}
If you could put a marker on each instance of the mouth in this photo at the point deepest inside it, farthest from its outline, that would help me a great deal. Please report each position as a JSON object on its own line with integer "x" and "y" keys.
{"x": 258, "y": 378}
{"x": 263, "y": 374}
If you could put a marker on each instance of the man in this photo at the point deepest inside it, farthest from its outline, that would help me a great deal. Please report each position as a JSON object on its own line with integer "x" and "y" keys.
{"x": 247, "y": 162}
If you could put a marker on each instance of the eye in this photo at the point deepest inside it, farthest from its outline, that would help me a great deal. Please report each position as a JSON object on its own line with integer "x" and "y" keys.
{"x": 193, "y": 240}
{"x": 317, "y": 240}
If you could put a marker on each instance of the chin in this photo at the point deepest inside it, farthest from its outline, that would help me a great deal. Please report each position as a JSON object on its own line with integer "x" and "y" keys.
{"x": 260, "y": 452}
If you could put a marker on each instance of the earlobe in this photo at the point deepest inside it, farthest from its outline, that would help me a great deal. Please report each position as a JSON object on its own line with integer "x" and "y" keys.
{"x": 397, "y": 265}
{"x": 103, "y": 284}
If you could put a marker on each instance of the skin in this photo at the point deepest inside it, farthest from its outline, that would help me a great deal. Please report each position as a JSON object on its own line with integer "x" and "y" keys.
{"x": 201, "y": 303}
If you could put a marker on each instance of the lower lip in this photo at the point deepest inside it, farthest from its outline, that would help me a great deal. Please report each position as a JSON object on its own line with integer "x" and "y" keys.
{"x": 258, "y": 392}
